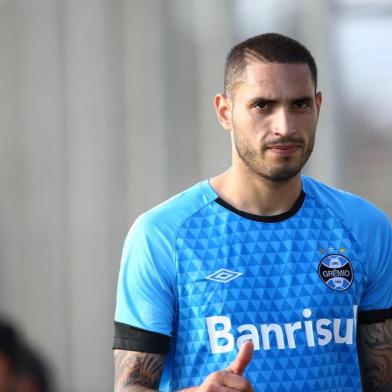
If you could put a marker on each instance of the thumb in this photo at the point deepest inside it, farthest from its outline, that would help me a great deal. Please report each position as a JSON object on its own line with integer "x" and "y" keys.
{"x": 243, "y": 358}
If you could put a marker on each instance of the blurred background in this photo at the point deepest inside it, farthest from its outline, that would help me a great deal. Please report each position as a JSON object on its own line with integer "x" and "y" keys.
{"x": 106, "y": 108}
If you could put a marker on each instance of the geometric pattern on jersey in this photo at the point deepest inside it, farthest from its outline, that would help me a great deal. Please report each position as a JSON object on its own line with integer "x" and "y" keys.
{"x": 279, "y": 265}
{"x": 198, "y": 272}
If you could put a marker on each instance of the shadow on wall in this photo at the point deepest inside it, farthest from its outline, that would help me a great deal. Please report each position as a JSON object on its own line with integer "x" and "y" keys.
{"x": 21, "y": 368}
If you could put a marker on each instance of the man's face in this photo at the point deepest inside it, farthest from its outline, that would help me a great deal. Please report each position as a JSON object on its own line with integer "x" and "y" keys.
{"x": 273, "y": 115}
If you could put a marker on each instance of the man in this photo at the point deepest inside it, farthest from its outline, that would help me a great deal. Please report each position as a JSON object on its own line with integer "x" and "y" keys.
{"x": 8, "y": 354}
{"x": 21, "y": 369}
{"x": 253, "y": 280}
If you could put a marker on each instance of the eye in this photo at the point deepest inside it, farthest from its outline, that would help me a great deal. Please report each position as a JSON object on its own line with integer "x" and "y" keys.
{"x": 301, "y": 104}
{"x": 262, "y": 105}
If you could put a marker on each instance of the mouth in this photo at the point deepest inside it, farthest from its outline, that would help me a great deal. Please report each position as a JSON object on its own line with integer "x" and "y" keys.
{"x": 284, "y": 149}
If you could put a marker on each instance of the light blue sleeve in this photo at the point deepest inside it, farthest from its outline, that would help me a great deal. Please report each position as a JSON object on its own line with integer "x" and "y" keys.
{"x": 378, "y": 293}
{"x": 146, "y": 291}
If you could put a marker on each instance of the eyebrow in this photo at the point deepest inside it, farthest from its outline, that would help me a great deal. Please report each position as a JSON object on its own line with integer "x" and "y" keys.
{"x": 305, "y": 98}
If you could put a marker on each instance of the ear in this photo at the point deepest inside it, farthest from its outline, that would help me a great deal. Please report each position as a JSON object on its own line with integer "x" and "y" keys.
{"x": 223, "y": 110}
{"x": 319, "y": 99}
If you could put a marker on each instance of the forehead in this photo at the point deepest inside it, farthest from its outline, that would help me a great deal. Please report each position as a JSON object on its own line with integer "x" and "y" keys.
{"x": 276, "y": 81}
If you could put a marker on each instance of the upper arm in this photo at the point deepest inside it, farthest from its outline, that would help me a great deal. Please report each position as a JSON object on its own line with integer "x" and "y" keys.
{"x": 375, "y": 355}
{"x": 146, "y": 290}
{"x": 137, "y": 371}
{"x": 374, "y": 334}
{"x": 145, "y": 308}
{"x": 378, "y": 245}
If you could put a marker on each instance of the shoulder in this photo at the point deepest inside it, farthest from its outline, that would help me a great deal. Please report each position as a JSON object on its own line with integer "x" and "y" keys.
{"x": 372, "y": 230}
{"x": 356, "y": 211}
{"x": 165, "y": 219}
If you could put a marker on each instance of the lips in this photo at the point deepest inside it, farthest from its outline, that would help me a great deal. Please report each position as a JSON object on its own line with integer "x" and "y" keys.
{"x": 284, "y": 148}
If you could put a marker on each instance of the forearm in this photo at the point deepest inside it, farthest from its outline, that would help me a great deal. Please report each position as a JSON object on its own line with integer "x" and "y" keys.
{"x": 134, "y": 388}
{"x": 137, "y": 372}
{"x": 141, "y": 372}
{"x": 375, "y": 356}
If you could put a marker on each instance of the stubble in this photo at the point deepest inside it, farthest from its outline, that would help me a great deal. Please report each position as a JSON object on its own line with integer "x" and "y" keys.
{"x": 256, "y": 160}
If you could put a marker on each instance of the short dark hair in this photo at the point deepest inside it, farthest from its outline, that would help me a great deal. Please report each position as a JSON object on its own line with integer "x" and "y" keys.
{"x": 268, "y": 48}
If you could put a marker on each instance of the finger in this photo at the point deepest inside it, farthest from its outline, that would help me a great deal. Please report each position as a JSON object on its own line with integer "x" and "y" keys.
{"x": 226, "y": 380}
{"x": 227, "y": 389}
{"x": 243, "y": 358}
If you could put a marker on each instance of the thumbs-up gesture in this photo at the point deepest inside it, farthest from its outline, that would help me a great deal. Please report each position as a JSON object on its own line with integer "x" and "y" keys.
{"x": 230, "y": 379}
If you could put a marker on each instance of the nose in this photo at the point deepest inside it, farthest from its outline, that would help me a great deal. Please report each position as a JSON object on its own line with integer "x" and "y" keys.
{"x": 283, "y": 123}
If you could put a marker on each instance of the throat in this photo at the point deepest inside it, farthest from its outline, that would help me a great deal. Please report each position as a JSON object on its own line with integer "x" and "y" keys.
{"x": 256, "y": 197}
{"x": 277, "y": 217}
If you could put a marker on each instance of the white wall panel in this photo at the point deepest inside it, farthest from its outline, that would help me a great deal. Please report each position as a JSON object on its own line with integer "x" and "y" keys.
{"x": 95, "y": 189}
{"x": 34, "y": 262}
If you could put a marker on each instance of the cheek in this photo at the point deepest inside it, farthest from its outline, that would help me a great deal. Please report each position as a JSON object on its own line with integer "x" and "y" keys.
{"x": 307, "y": 124}
{"x": 261, "y": 126}
{"x": 251, "y": 125}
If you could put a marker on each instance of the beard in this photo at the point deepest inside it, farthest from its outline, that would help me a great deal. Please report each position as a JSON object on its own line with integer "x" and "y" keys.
{"x": 278, "y": 171}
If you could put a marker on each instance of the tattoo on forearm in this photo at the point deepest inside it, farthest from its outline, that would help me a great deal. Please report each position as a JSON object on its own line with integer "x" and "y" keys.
{"x": 375, "y": 356}
{"x": 135, "y": 371}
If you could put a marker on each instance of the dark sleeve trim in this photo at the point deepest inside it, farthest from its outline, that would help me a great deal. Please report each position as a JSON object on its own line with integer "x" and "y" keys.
{"x": 127, "y": 337}
{"x": 374, "y": 316}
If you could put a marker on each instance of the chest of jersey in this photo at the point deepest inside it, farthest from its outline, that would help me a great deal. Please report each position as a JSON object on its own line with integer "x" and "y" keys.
{"x": 292, "y": 287}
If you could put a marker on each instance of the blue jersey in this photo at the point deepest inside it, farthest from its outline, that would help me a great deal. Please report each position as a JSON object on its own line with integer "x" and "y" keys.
{"x": 209, "y": 277}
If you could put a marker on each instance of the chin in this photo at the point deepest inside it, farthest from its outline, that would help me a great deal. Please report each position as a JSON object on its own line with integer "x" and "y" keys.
{"x": 282, "y": 174}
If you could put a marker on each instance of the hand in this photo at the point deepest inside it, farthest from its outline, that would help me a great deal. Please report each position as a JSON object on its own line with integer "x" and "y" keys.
{"x": 230, "y": 379}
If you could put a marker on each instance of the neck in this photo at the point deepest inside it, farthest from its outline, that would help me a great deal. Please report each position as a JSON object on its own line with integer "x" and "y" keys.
{"x": 253, "y": 194}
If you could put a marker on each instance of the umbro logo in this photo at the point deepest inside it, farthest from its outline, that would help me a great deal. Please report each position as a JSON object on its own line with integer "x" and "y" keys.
{"x": 224, "y": 275}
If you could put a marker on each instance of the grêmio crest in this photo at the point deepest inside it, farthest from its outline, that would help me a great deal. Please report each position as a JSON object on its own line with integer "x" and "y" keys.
{"x": 336, "y": 271}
